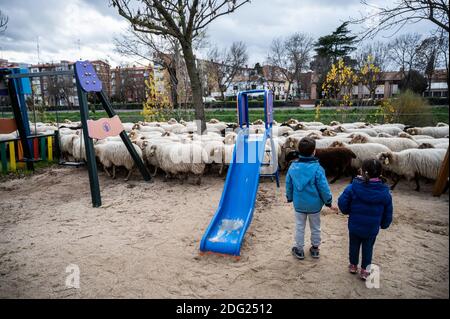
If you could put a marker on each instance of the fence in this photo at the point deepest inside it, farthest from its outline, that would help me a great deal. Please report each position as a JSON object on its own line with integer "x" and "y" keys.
{"x": 432, "y": 117}
{"x": 11, "y": 152}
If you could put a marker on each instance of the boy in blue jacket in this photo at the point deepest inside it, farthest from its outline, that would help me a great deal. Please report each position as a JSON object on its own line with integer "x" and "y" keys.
{"x": 368, "y": 202}
{"x": 307, "y": 187}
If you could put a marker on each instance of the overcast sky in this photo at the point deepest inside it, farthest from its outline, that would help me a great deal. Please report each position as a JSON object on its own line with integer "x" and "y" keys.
{"x": 74, "y": 29}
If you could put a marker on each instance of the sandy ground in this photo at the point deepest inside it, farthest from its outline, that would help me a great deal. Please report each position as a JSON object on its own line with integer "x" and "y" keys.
{"x": 143, "y": 243}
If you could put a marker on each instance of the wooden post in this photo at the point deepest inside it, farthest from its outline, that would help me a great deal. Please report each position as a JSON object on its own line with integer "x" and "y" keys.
{"x": 12, "y": 157}
{"x": 19, "y": 150}
{"x": 442, "y": 180}
{"x": 36, "y": 148}
{"x": 3, "y": 157}
{"x": 50, "y": 148}
{"x": 43, "y": 148}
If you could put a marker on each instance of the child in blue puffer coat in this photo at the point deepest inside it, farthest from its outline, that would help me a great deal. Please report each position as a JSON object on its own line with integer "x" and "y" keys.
{"x": 368, "y": 202}
{"x": 307, "y": 187}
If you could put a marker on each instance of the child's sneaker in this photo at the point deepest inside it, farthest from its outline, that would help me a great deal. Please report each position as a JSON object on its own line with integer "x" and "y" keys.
{"x": 353, "y": 269}
{"x": 364, "y": 274}
{"x": 314, "y": 252}
{"x": 298, "y": 253}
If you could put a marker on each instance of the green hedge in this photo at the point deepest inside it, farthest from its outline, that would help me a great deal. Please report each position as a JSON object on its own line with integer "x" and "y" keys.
{"x": 251, "y": 104}
{"x": 437, "y": 100}
{"x": 353, "y": 102}
{"x": 377, "y": 102}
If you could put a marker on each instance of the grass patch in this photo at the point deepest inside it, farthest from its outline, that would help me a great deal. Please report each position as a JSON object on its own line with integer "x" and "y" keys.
{"x": 438, "y": 114}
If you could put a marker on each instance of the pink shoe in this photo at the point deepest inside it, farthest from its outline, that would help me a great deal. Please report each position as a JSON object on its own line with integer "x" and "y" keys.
{"x": 353, "y": 269}
{"x": 364, "y": 274}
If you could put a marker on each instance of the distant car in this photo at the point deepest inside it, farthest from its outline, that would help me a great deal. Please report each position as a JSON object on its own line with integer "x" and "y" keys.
{"x": 209, "y": 99}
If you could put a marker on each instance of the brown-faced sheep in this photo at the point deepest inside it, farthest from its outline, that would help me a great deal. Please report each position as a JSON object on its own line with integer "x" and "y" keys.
{"x": 334, "y": 160}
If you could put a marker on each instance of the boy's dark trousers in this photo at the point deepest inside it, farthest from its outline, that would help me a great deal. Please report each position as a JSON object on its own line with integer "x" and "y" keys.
{"x": 367, "y": 249}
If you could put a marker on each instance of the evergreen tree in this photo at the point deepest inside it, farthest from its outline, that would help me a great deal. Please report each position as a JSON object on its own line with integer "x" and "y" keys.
{"x": 258, "y": 68}
{"x": 338, "y": 44}
{"x": 330, "y": 48}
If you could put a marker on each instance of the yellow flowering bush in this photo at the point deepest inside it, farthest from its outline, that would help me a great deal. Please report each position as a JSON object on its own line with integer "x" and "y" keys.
{"x": 339, "y": 83}
{"x": 156, "y": 106}
{"x": 369, "y": 75}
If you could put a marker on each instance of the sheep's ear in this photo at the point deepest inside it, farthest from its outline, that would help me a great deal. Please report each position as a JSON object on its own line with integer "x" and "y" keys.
{"x": 386, "y": 160}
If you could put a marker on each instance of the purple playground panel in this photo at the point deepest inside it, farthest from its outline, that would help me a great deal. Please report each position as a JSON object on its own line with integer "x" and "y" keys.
{"x": 87, "y": 77}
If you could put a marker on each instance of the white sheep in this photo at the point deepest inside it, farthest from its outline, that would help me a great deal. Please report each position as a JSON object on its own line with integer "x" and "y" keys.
{"x": 230, "y": 138}
{"x": 395, "y": 144}
{"x": 180, "y": 159}
{"x": 362, "y": 151}
{"x": 143, "y": 128}
{"x": 128, "y": 127}
{"x": 78, "y": 149}
{"x": 369, "y": 131}
{"x": 326, "y": 142}
{"x": 214, "y": 149}
{"x": 116, "y": 154}
{"x": 436, "y": 132}
{"x": 413, "y": 163}
{"x": 443, "y": 146}
{"x": 282, "y": 130}
{"x": 384, "y": 135}
{"x": 66, "y": 143}
{"x": 389, "y": 129}
{"x": 415, "y": 137}
{"x": 433, "y": 141}
{"x": 9, "y": 136}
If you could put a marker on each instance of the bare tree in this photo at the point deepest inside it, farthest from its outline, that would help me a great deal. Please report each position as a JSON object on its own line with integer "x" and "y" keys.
{"x": 403, "y": 12}
{"x": 443, "y": 49}
{"x": 280, "y": 63}
{"x": 3, "y": 22}
{"x": 59, "y": 88}
{"x": 129, "y": 85}
{"x": 161, "y": 50}
{"x": 183, "y": 20}
{"x": 224, "y": 65}
{"x": 427, "y": 56}
{"x": 291, "y": 56}
{"x": 403, "y": 52}
{"x": 379, "y": 51}
{"x": 298, "y": 48}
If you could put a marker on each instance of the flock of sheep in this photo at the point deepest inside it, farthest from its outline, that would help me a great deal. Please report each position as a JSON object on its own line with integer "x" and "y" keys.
{"x": 179, "y": 151}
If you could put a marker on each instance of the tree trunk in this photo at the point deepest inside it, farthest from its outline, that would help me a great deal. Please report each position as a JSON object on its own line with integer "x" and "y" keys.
{"x": 429, "y": 85}
{"x": 196, "y": 85}
{"x": 288, "y": 91}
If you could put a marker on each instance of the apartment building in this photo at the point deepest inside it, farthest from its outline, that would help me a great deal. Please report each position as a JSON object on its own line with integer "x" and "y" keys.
{"x": 128, "y": 83}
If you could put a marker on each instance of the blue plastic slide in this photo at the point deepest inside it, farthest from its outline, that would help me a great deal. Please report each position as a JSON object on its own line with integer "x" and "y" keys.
{"x": 227, "y": 228}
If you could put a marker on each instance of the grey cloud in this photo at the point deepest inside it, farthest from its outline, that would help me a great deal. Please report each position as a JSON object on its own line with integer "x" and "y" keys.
{"x": 256, "y": 24}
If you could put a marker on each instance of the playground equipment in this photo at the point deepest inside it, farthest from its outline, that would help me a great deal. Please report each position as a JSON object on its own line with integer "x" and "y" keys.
{"x": 226, "y": 231}
{"x": 86, "y": 81}
{"x": 17, "y": 88}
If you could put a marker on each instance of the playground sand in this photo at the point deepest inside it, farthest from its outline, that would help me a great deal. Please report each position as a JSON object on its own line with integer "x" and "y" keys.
{"x": 143, "y": 243}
